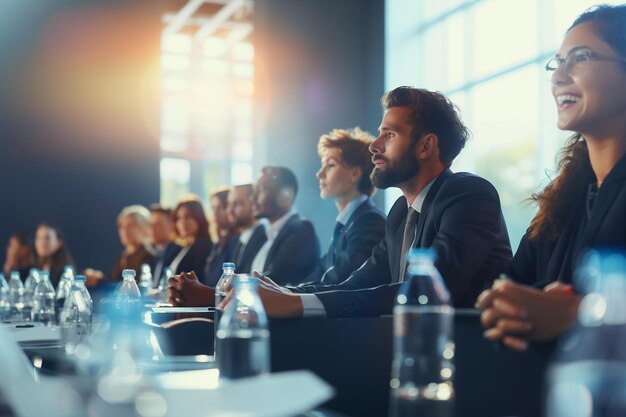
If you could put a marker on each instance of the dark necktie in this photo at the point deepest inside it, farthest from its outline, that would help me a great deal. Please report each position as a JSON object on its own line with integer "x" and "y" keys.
{"x": 407, "y": 241}
{"x": 333, "y": 244}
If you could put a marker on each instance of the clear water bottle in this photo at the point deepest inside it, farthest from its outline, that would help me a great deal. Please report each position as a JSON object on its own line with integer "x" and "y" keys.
{"x": 128, "y": 289}
{"x": 29, "y": 286}
{"x": 145, "y": 280}
{"x": 228, "y": 272}
{"x": 422, "y": 368}
{"x": 128, "y": 297}
{"x": 43, "y": 310}
{"x": 75, "y": 319}
{"x": 243, "y": 335}
{"x": 4, "y": 297}
{"x": 588, "y": 376}
{"x": 167, "y": 273}
{"x": 81, "y": 282}
{"x": 65, "y": 286}
{"x": 16, "y": 296}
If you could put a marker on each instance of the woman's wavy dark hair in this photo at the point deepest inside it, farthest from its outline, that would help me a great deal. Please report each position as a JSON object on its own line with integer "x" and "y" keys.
{"x": 574, "y": 168}
{"x": 569, "y": 187}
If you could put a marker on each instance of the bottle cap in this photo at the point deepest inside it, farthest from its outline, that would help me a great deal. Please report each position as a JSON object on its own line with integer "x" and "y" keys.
{"x": 81, "y": 278}
{"x": 228, "y": 265}
{"x": 129, "y": 272}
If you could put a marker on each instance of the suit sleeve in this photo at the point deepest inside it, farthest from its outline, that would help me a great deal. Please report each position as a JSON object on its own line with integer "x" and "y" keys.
{"x": 298, "y": 255}
{"x": 366, "y": 233}
{"x": 367, "y": 302}
{"x": 362, "y": 237}
{"x": 469, "y": 230}
{"x": 374, "y": 272}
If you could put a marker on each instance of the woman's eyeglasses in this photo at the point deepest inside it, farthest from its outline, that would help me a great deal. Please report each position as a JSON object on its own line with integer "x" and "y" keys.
{"x": 577, "y": 58}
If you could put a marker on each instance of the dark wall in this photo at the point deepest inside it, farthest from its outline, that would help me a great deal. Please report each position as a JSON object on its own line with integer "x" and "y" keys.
{"x": 78, "y": 119}
{"x": 319, "y": 66}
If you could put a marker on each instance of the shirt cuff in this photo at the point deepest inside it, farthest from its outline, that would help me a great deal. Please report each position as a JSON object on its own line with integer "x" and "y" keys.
{"x": 312, "y": 306}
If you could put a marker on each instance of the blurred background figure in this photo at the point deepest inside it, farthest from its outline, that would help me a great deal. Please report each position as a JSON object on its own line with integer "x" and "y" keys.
{"x": 19, "y": 255}
{"x": 52, "y": 253}
{"x": 251, "y": 231}
{"x": 193, "y": 244}
{"x": 292, "y": 249}
{"x": 132, "y": 227}
{"x": 162, "y": 233}
{"x": 225, "y": 236}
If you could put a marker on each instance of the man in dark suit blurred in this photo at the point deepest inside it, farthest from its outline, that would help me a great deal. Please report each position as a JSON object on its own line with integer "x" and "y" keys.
{"x": 292, "y": 247}
{"x": 457, "y": 214}
{"x": 251, "y": 232}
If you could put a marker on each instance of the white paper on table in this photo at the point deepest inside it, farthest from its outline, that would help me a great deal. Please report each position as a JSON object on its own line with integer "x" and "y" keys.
{"x": 275, "y": 395}
{"x": 20, "y": 388}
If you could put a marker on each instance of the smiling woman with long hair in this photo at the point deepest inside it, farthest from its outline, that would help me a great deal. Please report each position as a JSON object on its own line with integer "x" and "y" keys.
{"x": 193, "y": 244}
{"x": 585, "y": 205}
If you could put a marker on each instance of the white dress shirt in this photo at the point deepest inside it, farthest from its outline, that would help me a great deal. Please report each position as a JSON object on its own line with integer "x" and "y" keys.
{"x": 272, "y": 230}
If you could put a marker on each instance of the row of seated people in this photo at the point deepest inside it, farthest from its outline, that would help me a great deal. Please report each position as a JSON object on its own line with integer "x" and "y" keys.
{"x": 254, "y": 225}
{"x": 459, "y": 214}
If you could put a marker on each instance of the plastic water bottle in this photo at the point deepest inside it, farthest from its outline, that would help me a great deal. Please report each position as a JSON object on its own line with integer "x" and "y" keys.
{"x": 81, "y": 282}
{"x": 75, "y": 319}
{"x": 29, "y": 286}
{"x": 167, "y": 273}
{"x": 65, "y": 286}
{"x": 228, "y": 273}
{"x": 43, "y": 301}
{"x": 242, "y": 335}
{"x": 4, "y": 297}
{"x": 422, "y": 369}
{"x": 128, "y": 289}
{"x": 128, "y": 297}
{"x": 588, "y": 377}
{"x": 145, "y": 280}
{"x": 16, "y": 296}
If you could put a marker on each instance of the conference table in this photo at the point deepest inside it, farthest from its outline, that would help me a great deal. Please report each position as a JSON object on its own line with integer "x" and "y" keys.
{"x": 353, "y": 356}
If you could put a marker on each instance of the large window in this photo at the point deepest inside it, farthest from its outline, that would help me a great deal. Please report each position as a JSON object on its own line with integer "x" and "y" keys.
{"x": 206, "y": 98}
{"x": 488, "y": 57}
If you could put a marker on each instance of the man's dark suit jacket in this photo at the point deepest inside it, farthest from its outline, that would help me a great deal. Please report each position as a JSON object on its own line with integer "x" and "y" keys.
{"x": 539, "y": 262}
{"x": 245, "y": 255}
{"x": 294, "y": 253}
{"x": 461, "y": 219}
{"x": 353, "y": 246}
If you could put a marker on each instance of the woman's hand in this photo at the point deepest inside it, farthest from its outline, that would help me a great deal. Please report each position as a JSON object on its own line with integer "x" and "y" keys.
{"x": 516, "y": 314}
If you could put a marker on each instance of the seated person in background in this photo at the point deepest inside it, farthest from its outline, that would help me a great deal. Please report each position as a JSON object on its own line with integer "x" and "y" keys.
{"x": 226, "y": 237}
{"x": 251, "y": 231}
{"x": 132, "y": 228}
{"x": 52, "y": 253}
{"x": 19, "y": 256}
{"x": 193, "y": 244}
{"x": 292, "y": 248}
{"x": 161, "y": 233}
{"x": 457, "y": 214}
{"x": 585, "y": 205}
{"x": 345, "y": 177}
